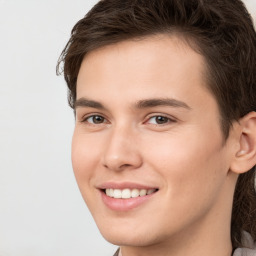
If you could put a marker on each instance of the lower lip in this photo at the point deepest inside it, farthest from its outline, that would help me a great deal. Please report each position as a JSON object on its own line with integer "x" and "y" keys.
{"x": 124, "y": 204}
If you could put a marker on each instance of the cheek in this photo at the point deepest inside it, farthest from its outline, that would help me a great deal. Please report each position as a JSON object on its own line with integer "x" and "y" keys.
{"x": 85, "y": 160}
{"x": 193, "y": 165}
{"x": 85, "y": 153}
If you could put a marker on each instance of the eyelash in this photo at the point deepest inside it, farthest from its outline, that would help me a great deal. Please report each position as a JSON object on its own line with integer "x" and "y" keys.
{"x": 167, "y": 119}
{"x": 85, "y": 119}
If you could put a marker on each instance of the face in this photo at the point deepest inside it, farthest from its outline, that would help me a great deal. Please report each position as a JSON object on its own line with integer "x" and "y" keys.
{"x": 148, "y": 152}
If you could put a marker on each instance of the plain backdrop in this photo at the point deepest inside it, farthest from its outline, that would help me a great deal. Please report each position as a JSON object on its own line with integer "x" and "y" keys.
{"x": 41, "y": 210}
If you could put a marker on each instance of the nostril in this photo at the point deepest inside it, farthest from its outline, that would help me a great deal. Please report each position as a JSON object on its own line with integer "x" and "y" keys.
{"x": 116, "y": 167}
{"x": 124, "y": 166}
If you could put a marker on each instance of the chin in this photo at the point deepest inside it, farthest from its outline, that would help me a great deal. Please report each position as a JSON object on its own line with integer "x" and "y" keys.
{"x": 128, "y": 240}
{"x": 121, "y": 236}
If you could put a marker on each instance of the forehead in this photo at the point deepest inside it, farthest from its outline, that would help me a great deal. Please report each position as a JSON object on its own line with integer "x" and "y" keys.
{"x": 153, "y": 65}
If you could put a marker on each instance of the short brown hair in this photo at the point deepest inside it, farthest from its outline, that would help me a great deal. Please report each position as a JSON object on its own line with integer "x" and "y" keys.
{"x": 220, "y": 30}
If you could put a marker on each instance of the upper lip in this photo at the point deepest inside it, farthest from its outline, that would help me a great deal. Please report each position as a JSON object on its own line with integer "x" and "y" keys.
{"x": 123, "y": 185}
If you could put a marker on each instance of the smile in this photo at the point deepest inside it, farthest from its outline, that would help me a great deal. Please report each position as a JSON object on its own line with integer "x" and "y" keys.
{"x": 128, "y": 193}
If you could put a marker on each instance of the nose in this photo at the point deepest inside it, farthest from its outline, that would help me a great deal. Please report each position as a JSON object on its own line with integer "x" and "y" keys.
{"x": 121, "y": 150}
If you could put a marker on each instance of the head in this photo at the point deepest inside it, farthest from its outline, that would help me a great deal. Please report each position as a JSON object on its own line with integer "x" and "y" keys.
{"x": 218, "y": 36}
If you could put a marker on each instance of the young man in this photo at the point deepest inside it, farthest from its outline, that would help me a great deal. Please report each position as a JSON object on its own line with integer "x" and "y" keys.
{"x": 164, "y": 147}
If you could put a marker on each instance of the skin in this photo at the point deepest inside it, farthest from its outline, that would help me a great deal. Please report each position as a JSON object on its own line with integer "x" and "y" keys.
{"x": 184, "y": 156}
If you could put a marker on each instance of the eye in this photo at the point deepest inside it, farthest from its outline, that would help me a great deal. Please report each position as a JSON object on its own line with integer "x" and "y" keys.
{"x": 160, "y": 120}
{"x": 95, "y": 119}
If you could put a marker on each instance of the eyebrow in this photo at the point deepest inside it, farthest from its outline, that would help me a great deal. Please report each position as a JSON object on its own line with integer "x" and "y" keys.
{"x": 141, "y": 104}
{"x": 83, "y": 102}
{"x": 149, "y": 103}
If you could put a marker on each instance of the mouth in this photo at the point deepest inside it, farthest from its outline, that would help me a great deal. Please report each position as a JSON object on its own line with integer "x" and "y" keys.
{"x": 126, "y": 196}
{"x": 128, "y": 193}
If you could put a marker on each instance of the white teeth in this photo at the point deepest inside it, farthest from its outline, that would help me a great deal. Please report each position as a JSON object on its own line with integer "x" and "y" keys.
{"x": 135, "y": 192}
{"x": 111, "y": 192}
{"x": 143, "y": 192}
{"x": 128, "y": 193}
{"x": 150, "y": 191}
{"x": 117, "y": 193}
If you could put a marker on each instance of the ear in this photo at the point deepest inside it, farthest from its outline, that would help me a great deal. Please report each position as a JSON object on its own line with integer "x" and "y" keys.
{"x": 245, "y": 157}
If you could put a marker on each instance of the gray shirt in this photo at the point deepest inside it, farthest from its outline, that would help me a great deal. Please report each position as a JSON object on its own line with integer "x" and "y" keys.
{"x": 249, "y": 246}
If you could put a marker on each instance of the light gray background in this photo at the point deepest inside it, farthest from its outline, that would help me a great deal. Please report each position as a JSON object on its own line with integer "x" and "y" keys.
{"x": 41, "y": 210}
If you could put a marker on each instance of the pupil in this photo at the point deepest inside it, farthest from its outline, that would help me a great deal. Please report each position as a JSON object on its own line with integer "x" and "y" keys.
{"x": 97, "y": 119}
{"x": 161, "y": 119}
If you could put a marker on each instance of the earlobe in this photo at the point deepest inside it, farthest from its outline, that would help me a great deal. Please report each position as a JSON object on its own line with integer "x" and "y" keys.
{"x": 245, "y": 157}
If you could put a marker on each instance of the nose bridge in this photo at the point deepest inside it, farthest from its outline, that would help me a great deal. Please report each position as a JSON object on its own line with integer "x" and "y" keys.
{"x": 121, "y": 149}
